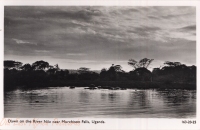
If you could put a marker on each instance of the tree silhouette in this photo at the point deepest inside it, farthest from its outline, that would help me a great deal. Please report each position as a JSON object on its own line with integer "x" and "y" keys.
{"x": 103, "y": 70}
{"x": 133, "y": 63}
{"x": 172, "y": 64}
{"x": 83, "y": 70}
{"x": 118, "y": 68}
{"x": 113, "y": 71}
{"x": 56, "y": 67}
{"x": 40, "y": 65}
{"x": 53, "y": 69}
{"x": 143, "y": 63}
{"x": 10, "y": 64}
{"x": 35, "y": 75}
{"x": 115, "y": 68}
{"x": 26, "y": 67}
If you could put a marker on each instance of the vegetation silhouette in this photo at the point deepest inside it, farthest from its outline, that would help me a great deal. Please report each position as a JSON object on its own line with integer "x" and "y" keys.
{"x": 173, "y": 75}
{"x": 143, "y": 63}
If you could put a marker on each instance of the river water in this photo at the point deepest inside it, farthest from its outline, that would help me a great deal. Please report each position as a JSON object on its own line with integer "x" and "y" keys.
{"x": 63, "y": 102}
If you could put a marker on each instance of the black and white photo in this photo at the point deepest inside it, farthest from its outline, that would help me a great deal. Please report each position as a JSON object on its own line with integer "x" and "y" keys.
{"x": 100, "y": 62}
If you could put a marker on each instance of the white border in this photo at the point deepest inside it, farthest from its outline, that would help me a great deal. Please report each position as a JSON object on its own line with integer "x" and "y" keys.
{"x": 135, "y": 123}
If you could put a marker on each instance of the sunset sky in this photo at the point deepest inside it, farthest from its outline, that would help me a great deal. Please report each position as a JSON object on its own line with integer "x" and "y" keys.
{"x": 97, "y": 37}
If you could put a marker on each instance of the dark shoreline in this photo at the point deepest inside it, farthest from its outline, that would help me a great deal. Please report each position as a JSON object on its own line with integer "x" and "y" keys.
{"x": 121, "y": 84}
{"x": 173, "y": 75}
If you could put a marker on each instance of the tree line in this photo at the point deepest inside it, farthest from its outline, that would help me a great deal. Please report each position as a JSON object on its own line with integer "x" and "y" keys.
{"x": 41, "y": 72}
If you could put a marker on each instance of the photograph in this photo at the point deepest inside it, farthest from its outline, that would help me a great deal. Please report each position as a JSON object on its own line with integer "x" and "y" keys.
{"x": 119, "y": 62}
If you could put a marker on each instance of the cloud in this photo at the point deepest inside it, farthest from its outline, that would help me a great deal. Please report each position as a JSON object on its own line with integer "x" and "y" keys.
{"x": 79, "y": 61}
{"x": 174, "y": 16}
{"x": 39, "y": 12}
{"x": 144, "y": 30}
{"x": 23, "y": 42}
{"x": 76, "y": 54}
{"x": 100, "y": 33}
{"x": 188, "y": 28}
{"x": 153, "y": 17}
{"x": 41, "y": 51}
{"x": 83, "y": 15}
{"x": 187, "y": 32}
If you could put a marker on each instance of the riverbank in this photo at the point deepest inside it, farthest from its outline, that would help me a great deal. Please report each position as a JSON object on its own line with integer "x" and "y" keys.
{"x": 121, "y": 84}
{"x": 127, "y": 84}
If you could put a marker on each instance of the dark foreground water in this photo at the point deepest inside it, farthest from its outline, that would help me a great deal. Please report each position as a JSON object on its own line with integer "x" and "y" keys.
{"x": 131, "y": 103}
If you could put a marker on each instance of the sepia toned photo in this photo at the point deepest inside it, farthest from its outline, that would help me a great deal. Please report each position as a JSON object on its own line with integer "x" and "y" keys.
{"x": 99, "y": 62}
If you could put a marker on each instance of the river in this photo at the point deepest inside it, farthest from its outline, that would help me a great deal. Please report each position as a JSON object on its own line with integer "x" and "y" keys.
{"x": 63, "y": 102}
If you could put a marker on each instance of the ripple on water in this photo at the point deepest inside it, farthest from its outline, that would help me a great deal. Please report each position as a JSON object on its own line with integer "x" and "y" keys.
{"x": 80, "y": 102}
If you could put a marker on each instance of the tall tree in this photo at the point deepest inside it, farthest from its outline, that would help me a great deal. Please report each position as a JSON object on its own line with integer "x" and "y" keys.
{"x": 26, "y": 67}
{"x": 143, "y": 63}
{"x": 133, "y": 63}
{"x": 115, "y": 68}
{"x": 40, "y": 65}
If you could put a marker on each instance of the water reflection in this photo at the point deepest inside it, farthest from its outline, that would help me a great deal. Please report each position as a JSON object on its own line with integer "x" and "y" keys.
{"x": 103, "y": 96}
{"x": 174, "y": 97}
{"x": 139, "y": 99}
{"x": 65, "y": 102}
{"x": 178, "y": 102}
{"x": 112, "y": 97}
{"x": 84, "y": 97}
